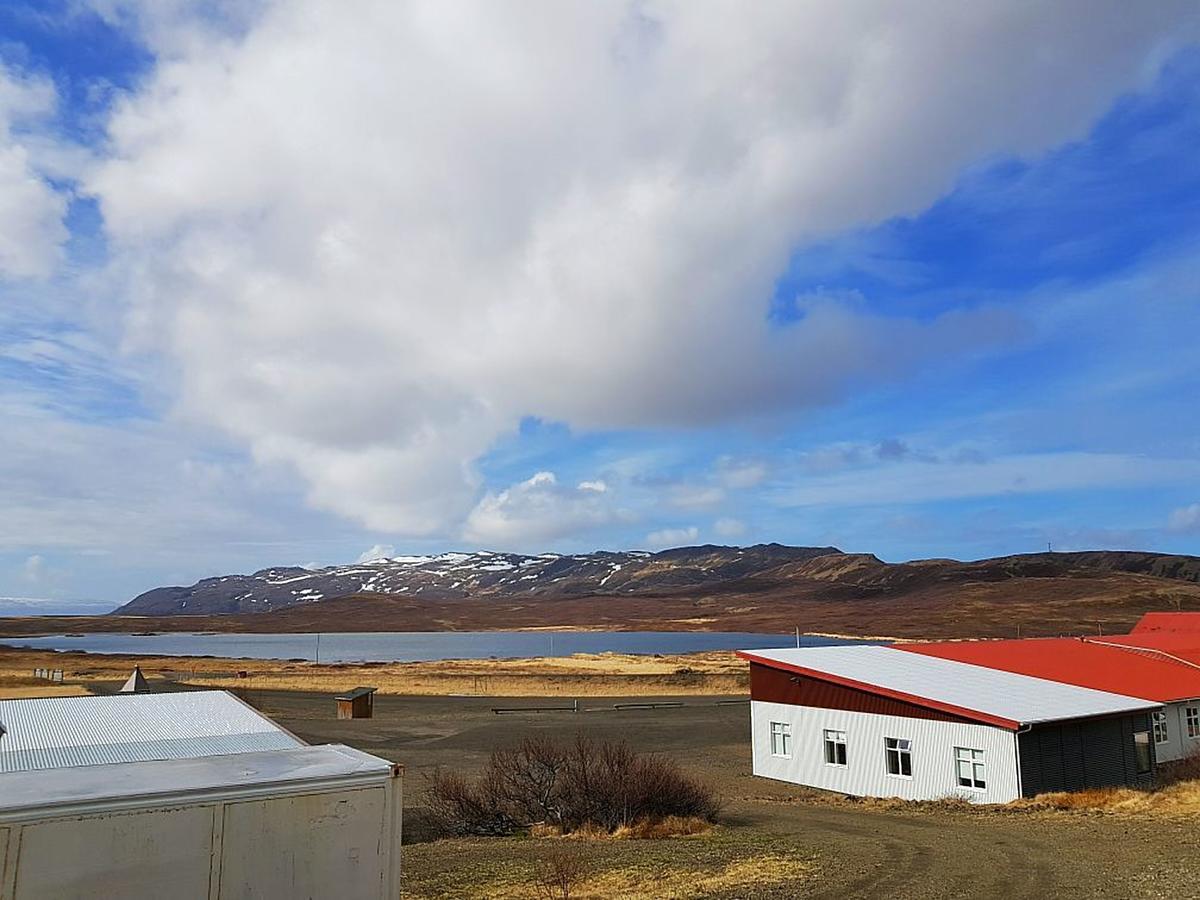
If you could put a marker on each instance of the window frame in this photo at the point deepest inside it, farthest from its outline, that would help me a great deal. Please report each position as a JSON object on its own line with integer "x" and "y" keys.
{"x": 1191, "y": 716}
{"x": 903, "y": 755}
{"x": 783, "y": 731}
{"x": 838, "y": 741}
{"x": 980, "y": 761}
{"x": 1143, "y": 752}
{"x": 1158, "y": 726}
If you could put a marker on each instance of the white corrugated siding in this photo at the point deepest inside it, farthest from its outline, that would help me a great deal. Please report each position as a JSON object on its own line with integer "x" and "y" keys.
{"x": 865, "y": 774}
{"x": 61, "y": 732}
{"x": 1019, "y": 698}
{"x": 1178, "y": 744}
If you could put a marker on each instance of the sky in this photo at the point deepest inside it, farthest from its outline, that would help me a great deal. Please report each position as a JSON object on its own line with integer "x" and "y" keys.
{"x": 286, "y": 285}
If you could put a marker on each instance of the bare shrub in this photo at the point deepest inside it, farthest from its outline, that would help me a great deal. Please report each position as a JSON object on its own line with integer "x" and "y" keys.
{"x": 1185, "y": 769}
{"x": 558, "y": 870}
{"x": 460, "y": 807}
{"x": 603, "y": 785}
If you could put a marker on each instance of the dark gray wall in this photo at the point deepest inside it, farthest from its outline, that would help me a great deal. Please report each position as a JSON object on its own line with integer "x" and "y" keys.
{"x": 1085, "y": 753}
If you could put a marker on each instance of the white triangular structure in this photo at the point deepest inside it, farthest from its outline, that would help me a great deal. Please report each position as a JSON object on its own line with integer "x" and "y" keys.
{"x": 136, "y": 684}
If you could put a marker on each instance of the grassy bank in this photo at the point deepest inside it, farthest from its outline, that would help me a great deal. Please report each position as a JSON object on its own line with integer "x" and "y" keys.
{"x": 583, "y": 675}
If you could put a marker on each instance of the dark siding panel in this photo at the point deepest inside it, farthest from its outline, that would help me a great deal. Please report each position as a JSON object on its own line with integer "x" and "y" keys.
{"x": 778, "y": 686}
{"x": 1088, "y": 753}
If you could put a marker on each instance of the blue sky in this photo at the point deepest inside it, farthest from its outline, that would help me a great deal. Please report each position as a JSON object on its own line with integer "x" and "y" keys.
{"x": 266, "y": 302}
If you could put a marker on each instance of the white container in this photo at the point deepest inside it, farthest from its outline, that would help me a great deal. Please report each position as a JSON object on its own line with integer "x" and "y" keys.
{"x": 309, "y": 822}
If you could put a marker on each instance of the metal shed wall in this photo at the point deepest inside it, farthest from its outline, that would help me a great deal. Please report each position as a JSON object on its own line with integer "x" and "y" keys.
{"x": 1089, "y": 753}
{"x": 313, "y": 822}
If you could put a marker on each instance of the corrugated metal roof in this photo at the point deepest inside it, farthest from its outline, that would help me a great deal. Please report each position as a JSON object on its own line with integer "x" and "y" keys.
{"x": 1169, "y": 622}
{"x": 1103, "y": 664}
{"x": 356, "y": 693}
{"x": 60, "y": 732}
{"x": 35, "y": 791}
{"x": 1001, "y": 698}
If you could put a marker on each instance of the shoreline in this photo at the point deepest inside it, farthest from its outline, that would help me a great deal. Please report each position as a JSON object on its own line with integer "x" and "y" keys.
{"x": 717, "y": 672}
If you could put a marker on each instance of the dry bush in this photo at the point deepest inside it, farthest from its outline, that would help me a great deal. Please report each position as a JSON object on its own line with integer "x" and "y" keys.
{"x": 603, "y": 785}
{"x": 558, "y": 870}
{"x": 457, "y": 806}
{"x": 1185, "y": 769}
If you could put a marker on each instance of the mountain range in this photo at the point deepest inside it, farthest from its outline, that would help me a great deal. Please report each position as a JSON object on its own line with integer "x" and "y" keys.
{"x": 766, "y": 587}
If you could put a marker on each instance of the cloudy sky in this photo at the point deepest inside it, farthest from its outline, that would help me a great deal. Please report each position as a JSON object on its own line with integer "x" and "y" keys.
{"x": 287, "y": 282}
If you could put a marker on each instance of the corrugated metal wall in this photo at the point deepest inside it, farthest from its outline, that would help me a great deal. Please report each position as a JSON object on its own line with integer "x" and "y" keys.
{"x": 1071, "y": 756}
{"x": 778, "y": 686}
{"x": 1178, "y": 744}
{"x": 865, "y": 774}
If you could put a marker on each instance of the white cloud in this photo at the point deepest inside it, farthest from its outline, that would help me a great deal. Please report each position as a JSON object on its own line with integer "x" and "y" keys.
{"x": 694, "y": 496}
{"x": 672, "y": 537}
{"x": 430, "y": 220}
{"x": 729, "y": 528}
{"x": 379, "y": 551}
{"x": 31, "y": 210}
{"x": 919, "y": 480}
{"x": 1185, "y": 519}
{"x": 539, "y": 509}
{"x": 740, "y": 474}
{"x": 35, "y": 569}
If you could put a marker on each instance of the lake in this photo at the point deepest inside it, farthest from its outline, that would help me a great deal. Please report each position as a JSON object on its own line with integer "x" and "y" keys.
{"x": 413, "y": 646}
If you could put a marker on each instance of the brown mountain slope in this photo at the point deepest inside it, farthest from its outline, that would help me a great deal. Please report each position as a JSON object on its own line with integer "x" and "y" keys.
{"x": 1039, "y": 594}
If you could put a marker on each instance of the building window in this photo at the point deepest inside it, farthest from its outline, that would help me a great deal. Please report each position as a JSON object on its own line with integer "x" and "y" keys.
{"x": 1141, "y": 748}
{"x": 899, "y": 756}
{"x": 781, "y": 739}
{"x": 835, "y": 748}
{"x": 1160, "y": 726}
{"x": 1193, "y": 720}
{"x": 969, "y": 764}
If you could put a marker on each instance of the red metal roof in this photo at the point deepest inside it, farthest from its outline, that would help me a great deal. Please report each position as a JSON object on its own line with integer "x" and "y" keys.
{"x": 1168, "y": 621}
{"x": 1121, "y": 664}
{"x": 1180, "y": 645}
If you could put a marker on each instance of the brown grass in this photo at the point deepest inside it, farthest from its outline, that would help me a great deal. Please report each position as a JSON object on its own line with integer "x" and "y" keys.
{"x": 755, "y": 872}
{"x": 18, "y": 689}
{"x": 582, "y": 675}
{"x": 641, "y": 830}
{"x": 659, "y": 829}
{"x": 1181, "y": 798}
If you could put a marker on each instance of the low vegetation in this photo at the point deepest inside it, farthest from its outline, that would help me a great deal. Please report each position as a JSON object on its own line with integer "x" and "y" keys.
{"x": 734, "y": 862}
{"x": 1177, "y": 793}
{"x": 583, "y": 786}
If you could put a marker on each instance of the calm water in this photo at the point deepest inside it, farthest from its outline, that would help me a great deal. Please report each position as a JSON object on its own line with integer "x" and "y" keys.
{"x": 413, "y": 646}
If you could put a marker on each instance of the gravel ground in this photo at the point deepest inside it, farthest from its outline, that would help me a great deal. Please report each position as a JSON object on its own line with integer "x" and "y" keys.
{"x": 839, "y": 848}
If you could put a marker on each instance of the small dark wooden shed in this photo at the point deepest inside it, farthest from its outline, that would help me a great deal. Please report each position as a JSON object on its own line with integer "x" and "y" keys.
{"x": 356, "y": 704}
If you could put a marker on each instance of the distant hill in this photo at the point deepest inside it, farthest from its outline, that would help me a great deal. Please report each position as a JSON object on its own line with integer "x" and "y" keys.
{"x": 461, "y": 576}
{"x": 768, "y": 587}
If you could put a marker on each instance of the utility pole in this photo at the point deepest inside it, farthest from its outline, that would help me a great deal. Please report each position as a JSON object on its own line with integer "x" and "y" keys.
{"x": 797, "y": 637}
{"x": 318, "y": 647}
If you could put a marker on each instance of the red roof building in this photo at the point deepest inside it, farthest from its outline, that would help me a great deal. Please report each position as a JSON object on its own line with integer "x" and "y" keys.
{"x": 1159, "y": 666}
{"x": 1168, "y": 621}
{"x": 1102, "y": 664}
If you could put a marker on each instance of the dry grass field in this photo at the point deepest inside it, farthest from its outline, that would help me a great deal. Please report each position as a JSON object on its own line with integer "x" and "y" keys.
{"x": 583, "y": 675}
